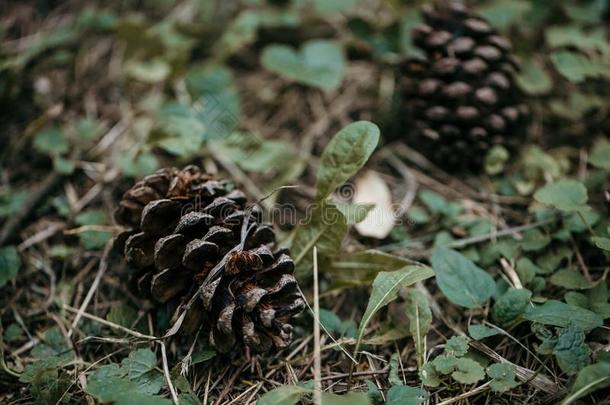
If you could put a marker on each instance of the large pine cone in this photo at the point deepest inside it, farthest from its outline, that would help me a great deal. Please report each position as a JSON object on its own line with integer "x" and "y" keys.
{"x": 192, "y": 239}
{"x": 461, "y": 99}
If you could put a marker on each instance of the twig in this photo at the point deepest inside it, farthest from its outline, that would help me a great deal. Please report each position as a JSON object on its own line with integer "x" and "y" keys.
{"x": 110, "y": 324}
{"x": 467, "y": 394}
{"x": 98, "y": 277}
{"x": 460, "y": 243}
{"x": 317, "y": 365}
{"x": 172, "y": 390}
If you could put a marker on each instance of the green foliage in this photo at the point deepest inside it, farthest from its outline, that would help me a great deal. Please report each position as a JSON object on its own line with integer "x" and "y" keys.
{"x": 565, "y": 195}
{"x": 589, "y": 379}
{"x": 9, "y": 264}
{"x": 460, "y": 280}
{"x": 557, "y": 313}
{"x": 94, "y": 239}
{"x": 405, "y": 395}
{"x": 479, "y": 332}
{"x": 511, "y": 305}
{"x": 503, "y": 377}
{"x": 319, "y": 63}
{"x": 345, "y": 154}
{"x": 362, "y": 267}
{"x": 571, "y": 351}
{"x": 135, "y": 381}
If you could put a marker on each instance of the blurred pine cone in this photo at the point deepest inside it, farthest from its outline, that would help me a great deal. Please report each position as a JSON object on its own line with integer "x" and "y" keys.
{"x": 192, "y": 239}
{"x": 461, "y": 99}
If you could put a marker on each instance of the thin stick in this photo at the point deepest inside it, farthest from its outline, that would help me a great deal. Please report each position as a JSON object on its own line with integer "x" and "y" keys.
{"x": 467, "y": 394}
{"x": 98, "y": 277}
{"x": 110, "y": 324}
{"x": 172, "y": 390}
{"x": 317, "y": 364}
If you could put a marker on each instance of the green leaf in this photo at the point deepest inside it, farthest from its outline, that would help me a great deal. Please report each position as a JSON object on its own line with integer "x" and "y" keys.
{"x": 32, "y": 371}
{"x": 602, "y": 243}
{"x": 362, "y": 267}
{"x": 151, "y": 71}
{"x": 468, "y": 371}
{"x": 334, "y": 7}
{"x": 575, "y": 36}
{"x": 571, "y": 351}
{"x": 216, "y": 100}
{"x": 534, "y": 239}
{"x": 511, "y": 305}
{"x": 354, "y": 213}
{"x": 9, "y": 264}
{"x": 589, "y": 379}
{"x": 93, "y": 239}
{"x": 351, "y": 398}
{"x": 139, "y": 363}
{"x": 385, "y": 290}
{"x": 503, "y": 377}
{"x": 479, "y": 332}
{"x": 123, "y": 314}
{"x": 577, "y": 67}
{"x": 504, "y": 13}
{"x": 63, "y": 166}
{"x": 460, "y": 280}
{"x": 565, "y": 195}
{"x": 345, "y": 154}
{"x": 456, "y": 346}
{"x": 534, "y": 79}
{"x": 569, "y": 279}
{"x": 140, "y": 166}
{"x": 557, "y": 313}
{"x": 51, "y": 141}
{"x": 12, "y": 200}
{"x": 325, "y": 231}
{"x": 420, "y": 319}
{"x": 495, "y": 160}
{"x": 319, "y": 63}
{"x": 429, "y": 376}
{"x": 599, "y": 154}
{"x": 405, "y": 395}
{"x": 284, "y": 395}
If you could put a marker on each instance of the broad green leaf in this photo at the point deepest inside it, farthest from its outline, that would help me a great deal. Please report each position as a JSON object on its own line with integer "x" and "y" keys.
{"x": 600, "y": 154}
{"x": 284, "y": 395}
{"x": 456, "y": 346}
{"x": 9, "y": 264}
{"x": 575, "y": 36}
{"x": 577, "y": 67}
{"x": 429, "y": 376}
{"x": 334, "y": 7}
{"x": 51, "y": 141}
{"x": 512, "y": 304}
{"x": 178, "y": 129}
{"x": 216, "y": 101}
{"x": 495, "y": 160}
{"x": 325, "y": 230}
{"x": 123, "y": 314}
{"x": 570, "y": 279}
{"x": 534, "y": 240}
{"x": 534, "y": 79}
{"x": 557, "y": 313}
{"x": 503, "y": 13}
{"x": 354, "y": 213}
{"x": 479, "y": 332}
{"x": 319, "y": 63}
{"x": 420, "y": 319}
{"x": 460, "y": 280}
{"x": 34, "y": 369}
{"x": 602, "y": 243}
{"x": 589, "y": 379}
{"x": 362, "y": 267}
{"x": 140, "y": 166}
{"x": 405, "y": 395}
{"x": 468, "y": 371}
{"x": 571, "y": 351}
{"x": 333, "y": 324}
{"x": 503, "y": 377}
{"x": 345, "y": 154}
{"x": 385, "y": 290}
{"x": 565, "y": 195}
{"x": 351, "y": 398}
{"x": 203, "y": 356}
{"x": 410, "y": 19}
{"x": 139, "y": 363}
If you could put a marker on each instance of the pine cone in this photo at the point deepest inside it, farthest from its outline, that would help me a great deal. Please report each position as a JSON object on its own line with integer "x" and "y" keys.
{"x": 461, "y": 99}
{"x": 191, "y": 239}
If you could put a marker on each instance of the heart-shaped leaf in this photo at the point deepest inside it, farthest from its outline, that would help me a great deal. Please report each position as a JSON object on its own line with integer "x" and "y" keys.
{"x": 319, "y": 63}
